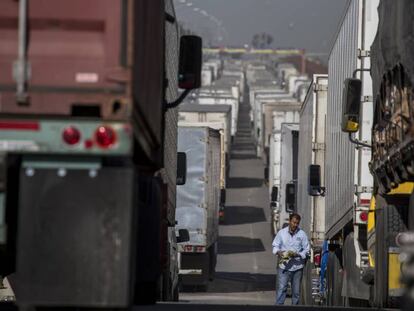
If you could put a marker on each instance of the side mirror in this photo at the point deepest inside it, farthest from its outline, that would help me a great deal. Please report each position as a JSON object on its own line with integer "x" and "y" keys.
{"x": 183, "y": 236}
{"x": 222, "y": 197}
{"x": 314, "y": 181}
{"x": 351, "y": 103}
{"x": 189, "y": 72}
{"x": 290, "y": 199}
{"x": 181, "y": 168}
{"x": 275, "y": 192}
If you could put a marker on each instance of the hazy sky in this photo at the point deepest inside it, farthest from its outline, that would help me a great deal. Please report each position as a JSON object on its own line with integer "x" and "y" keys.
{"x": 309, "y": 24}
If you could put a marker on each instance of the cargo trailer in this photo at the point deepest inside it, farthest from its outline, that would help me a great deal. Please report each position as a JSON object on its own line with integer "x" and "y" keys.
{"x": 198, "y": 204}
{"x": 272, "y": 170}
{"x": 288, "y": 174}
{"x": 347, "y": 180}
{"x": 87, "y": 138}
{"x": 390, "y": 247}
{"x": 310, "y": 198}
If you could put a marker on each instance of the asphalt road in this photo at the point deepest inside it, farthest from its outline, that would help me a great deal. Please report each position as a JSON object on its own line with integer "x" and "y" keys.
{"x": 245, "y": 265}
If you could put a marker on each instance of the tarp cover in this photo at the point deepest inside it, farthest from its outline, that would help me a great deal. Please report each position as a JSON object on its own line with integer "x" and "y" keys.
{"x": 394, "y": 42}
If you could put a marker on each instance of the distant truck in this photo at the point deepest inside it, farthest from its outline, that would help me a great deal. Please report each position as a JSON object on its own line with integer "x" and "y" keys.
{"x": 223, "y": 100}
{"x": 88, "y": 149}
{"x": 273, "y": 167}
{"x": 198, "y": 204}
{"x": 217, "y": 117}
{"x": 288, "y": 171}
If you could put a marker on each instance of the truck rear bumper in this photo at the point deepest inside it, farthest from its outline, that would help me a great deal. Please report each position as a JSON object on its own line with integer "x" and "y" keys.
{"x": 196, "y": 266}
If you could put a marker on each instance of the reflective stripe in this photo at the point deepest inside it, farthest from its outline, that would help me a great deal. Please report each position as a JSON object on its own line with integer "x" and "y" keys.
{"x": 191, "y": 271}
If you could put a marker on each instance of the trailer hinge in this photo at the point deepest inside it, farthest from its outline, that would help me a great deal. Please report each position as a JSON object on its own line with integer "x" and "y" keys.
{"x": 363, "y": 189}
{"x": 318, "y": 146}
{"x": 319, "y": 87}
{"x": 364, "y": 53}
{"x": 367, "y": 99}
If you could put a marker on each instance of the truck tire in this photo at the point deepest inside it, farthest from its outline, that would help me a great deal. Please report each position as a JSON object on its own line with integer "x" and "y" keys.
{"x": 334, "y": 277}
{"x": 409, "y": 298}
{"x": 306, "y": 285}
{"x": 212, "y": 262}
{"x": 391, "y": 218}
{"x": 355, "y": 291}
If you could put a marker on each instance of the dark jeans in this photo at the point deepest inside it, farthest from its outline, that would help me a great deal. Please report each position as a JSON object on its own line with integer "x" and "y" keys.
{"x": 283, "y": 278}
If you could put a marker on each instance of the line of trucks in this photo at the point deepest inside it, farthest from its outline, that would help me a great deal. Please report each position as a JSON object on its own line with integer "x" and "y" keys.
{"x": 343, "y": 160}
{"x": 89, "y": 95}
{"x": 105, "y": 201}
{"x": 111, "y": 193}
{"x": 207, "y": 126}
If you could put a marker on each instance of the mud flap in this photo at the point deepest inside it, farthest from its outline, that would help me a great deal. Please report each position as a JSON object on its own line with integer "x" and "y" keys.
{"x": 334, "y": 279}
{"x": 75, "y": 237}
{"x": 353, "y": 287}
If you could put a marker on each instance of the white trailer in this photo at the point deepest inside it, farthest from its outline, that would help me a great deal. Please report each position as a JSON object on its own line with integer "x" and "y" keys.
{"x": 223, "y": 100}
{"x": 347, "y": 177}
{"x": 312, "y": 156}
{"x": 312, "y": 152}
{"x": 279, "y": 118}
{"x": 198, "y": 203}
{"x": 270, "y": 103}
{"x": 219, "y": 115}
{"x": 291, "y": 107}
{"x": 207, "y": 76}
{"x": 288, "y": 172}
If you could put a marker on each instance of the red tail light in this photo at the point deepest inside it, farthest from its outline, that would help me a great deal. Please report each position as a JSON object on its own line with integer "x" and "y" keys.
{"x": 71, "y": 135}
{"x": 105, "y": 136}
{"x": 317, "y": 259}
{"x": 363, "y": 216}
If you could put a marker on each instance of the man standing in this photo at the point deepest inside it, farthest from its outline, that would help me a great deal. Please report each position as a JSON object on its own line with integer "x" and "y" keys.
{"x": 292, "y": 247}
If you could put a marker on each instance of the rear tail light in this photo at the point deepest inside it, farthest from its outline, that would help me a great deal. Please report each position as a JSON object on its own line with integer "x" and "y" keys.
{"x": 194, "y": 249}
{"x": 105, "y": 136}
{"x": 363, "y": 216}
{"x": 317, "y": 259}
{"x": 71, "y": 135}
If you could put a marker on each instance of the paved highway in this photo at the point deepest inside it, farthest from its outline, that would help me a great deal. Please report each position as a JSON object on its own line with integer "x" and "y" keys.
{"x": 245, "y": 266}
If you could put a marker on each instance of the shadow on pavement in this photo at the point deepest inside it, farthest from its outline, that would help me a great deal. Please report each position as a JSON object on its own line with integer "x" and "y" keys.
{"x": 242, "y": 182}
{"x": 238, "y": 215}
{"x": 238, "y": 244}
{"x": 236, "y": 282}
{"x": 240, "y": 156}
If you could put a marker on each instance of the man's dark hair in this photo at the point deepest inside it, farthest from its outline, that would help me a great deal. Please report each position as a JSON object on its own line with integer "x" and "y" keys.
{"x": 294, "y": 215}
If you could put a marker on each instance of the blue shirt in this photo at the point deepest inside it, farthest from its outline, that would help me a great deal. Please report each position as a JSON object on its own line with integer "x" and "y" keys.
{"x": 296, "y": 242}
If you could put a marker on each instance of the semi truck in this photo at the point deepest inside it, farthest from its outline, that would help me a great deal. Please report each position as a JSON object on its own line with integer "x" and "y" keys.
{"x": 264, "y": 119}
{"x": 288, "y": 174}
{"x": 198, "y": 204}
{"x": 311, "y": 199}
{"x": 389, "y": 245}
{"x": 88, "y": 149}
{"x": 360, "y": 258}
{"x": 217, "y": 117}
